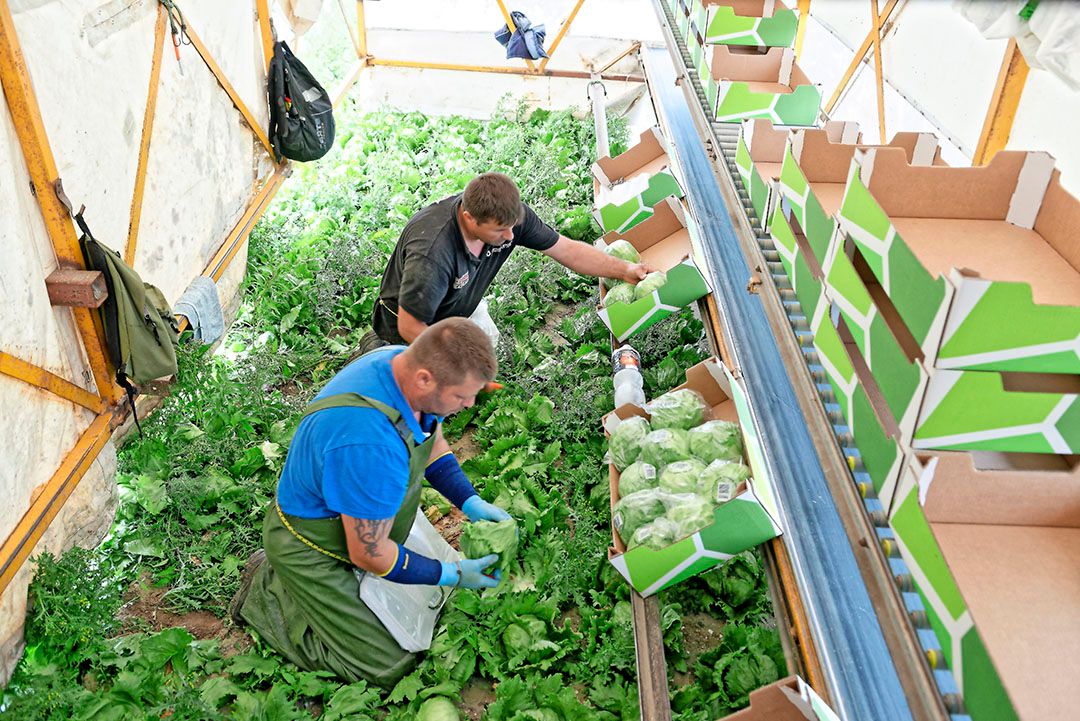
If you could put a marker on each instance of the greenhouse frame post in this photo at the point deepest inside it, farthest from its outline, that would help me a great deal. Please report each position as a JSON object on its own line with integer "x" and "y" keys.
{"x": 1003, "y": 104}
{"x": 562, "y": 33}
{"x": 860, "y": 56}
{"x": 875, "y": 20}
{"x": 597, "y": 94}
{"x": 800, "y": 31}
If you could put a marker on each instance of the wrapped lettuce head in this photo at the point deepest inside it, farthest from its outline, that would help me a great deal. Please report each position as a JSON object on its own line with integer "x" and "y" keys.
{"x": 683, "y": 409}
{"x": 721, "y": 479}
{"x": 651, "y": 282}
{"x": 690, "y": 515}
{"x": 621, "y": 293}
{"x": 681, "y": 476}
{"x": 625, "y": 442}
{"x": 716, "y": 441}
{"x": 637, "y": 509}
{"x": 655, "y": 535}
{"x": 638, "y": 476}
{"x": 665, "y": 446}
{"x": 623, "y": 250}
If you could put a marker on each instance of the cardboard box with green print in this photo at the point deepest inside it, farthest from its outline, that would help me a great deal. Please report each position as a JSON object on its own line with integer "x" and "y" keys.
{"x": 669, "y": 243}
{"x": 738, "y": 494}
{"x": 789, "y": 699}
{"x": 991, "y": 542}
{"x": 627, "y": 186}
{"x": 747, "y": 83}
{"x": 758, "y": 158}
{"x": 815, "y": 168}
{"x": 981, "y": 263}
{"x": 761, "y": 23}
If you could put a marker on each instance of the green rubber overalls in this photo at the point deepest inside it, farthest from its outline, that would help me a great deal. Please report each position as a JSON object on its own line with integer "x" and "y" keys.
{"x": 305, "y": 602}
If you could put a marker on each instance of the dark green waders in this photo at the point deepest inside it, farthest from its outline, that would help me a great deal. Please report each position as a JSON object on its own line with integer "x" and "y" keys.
{"x": 305, "y": 601}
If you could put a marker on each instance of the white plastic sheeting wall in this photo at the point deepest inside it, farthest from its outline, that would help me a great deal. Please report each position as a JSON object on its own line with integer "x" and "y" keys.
{"x": 90, "y": 63}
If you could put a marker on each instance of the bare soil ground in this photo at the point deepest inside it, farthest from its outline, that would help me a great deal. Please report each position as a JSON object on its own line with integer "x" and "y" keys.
{"x": 701, "y": 633}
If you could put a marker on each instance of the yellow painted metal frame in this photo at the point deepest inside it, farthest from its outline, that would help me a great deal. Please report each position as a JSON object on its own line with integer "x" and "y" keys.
{"x": 499, "y": 69}
{"x": 48, "y": 502}
{"x": 562, "y": 33}
{"x": 860, "y": 56}
{"x": 361, "y": 30}
{"x": 147, "y": 133}
{"x": 266, "y": 32}
{"x": 1003, "y": 104}
{"x": 875, "y": 19}
{"x": 48, "y": 381}
{"x": 510, "y": 24}
{"x": 30, "y": 130}
{"x": 800, "y": 31}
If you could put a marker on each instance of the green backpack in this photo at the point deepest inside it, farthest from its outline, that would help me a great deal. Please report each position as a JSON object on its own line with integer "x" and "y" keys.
{"x": 141, "y": 332}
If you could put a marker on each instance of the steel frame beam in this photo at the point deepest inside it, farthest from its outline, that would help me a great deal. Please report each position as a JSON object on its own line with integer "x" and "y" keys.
{"x": 562, "y": 33}
{"x": 48, "y": 381}
{"x": 860, "y": 56}
{"x": 1003, "y": 105}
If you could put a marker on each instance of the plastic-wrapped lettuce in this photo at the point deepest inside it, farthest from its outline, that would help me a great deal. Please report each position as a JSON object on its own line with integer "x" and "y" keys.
{"x": 621, "y": 293}
{"x": 690, "y": 515}
{"x": 623, "y": 250}
{"x": 716, "y": 440}
{"x": 655, "y": 535}
{"x": 665, "y": 446}
{"x": 681, "y": 476}
{"x": 638, "y": 476}
{"x": 651, "y": 282}
{"x": 625, "y": 442}
{"x": 683, "y": 409}
{"x": 720, "y": 480}
{"x": 637, "y": 509}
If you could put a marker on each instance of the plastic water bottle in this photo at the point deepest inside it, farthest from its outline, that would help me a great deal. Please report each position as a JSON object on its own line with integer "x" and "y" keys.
{"x": 629, "y": 385}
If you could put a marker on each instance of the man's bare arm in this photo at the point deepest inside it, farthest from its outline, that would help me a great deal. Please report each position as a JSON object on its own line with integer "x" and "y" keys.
{"x": 408, "y": 326}
{"x": 370, "y": 547}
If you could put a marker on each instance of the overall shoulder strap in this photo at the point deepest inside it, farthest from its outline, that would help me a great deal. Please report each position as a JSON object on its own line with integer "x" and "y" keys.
{"x": 355, "y": 400}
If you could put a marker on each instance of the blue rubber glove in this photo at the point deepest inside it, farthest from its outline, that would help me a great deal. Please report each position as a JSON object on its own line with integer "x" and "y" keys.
{"x": 477, "y": 509}
{"x": 469, "y": 572}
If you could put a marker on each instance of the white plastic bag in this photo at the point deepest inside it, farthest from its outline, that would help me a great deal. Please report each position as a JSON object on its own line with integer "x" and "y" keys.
{"x": 409, "y": 612}
{"x": 482, "y": 318}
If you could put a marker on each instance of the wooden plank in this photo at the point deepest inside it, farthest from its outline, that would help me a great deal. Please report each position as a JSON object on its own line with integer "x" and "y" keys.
{"x": 1012, "y": 77}
{"x": 74, "y": 288}
{"x": 875, "y": 19}
{"x": 653, "y": 699}
{"x": 135, "y": 217}
{"x": 34, "y": 140}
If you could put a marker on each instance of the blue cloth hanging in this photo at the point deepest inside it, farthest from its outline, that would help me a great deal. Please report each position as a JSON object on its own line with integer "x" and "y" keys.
{"x": 525, "y": 42}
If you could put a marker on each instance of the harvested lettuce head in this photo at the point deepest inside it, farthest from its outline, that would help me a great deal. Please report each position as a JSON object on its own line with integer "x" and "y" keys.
{"x": 623, "y": 250}
{"x": 625, "y": 442}
{"x": 716, "y": 440}
{"x": 681, "y": 476}
{"x": 656, "y": 535}
{"x": 438, "y": 708}
{"x": 651, "y": 282}
{"x": 480, "y": 538}
{"x": 721, "y": 479}
{"x": 690, "y": 515}
{"x": 621, "y": 293}
{"x": 681, "y": 408}
{"x": 635, "y": 510}
{"x": 665, "y": 446}
{"x": 638, "y": 476}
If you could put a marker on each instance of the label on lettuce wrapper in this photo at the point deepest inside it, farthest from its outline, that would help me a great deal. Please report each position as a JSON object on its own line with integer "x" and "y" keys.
{"x": 648, "y": 471}
{"x": 618, "y": 520}
{"x": 725, "y": 491}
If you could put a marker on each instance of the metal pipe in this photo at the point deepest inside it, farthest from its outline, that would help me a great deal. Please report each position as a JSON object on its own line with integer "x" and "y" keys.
{"x": 597, "y": 95}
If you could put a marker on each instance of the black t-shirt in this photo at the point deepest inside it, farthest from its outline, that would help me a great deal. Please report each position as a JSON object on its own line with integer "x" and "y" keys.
{"x": 432, "y": 274}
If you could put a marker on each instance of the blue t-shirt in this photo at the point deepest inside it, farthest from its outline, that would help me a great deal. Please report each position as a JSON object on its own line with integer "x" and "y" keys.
{"x": 352, "y": 460}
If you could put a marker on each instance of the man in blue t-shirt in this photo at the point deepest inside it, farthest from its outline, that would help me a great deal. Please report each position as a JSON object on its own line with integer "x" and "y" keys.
{"x": 347, "y": 498}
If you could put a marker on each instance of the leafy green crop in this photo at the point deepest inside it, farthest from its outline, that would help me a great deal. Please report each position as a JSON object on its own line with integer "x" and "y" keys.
{"x": 481, "y": 538}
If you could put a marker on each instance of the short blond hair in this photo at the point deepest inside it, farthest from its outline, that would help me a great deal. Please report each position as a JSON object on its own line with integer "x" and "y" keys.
{"x": 453, "y": 349}
{"x": 493, "y": 197}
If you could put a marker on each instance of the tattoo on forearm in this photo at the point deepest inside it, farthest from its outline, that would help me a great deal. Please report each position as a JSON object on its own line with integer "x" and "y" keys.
{"x": 371, "y": 532}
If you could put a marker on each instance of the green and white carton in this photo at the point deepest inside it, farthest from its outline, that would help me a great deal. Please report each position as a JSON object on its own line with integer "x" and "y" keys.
{"x": 762, "y": 23}
{"x": 627, "y": 186}
{"x": 745, "y": 521}
{"x": 668, "y": 241}
{"x": 814, "y": 173}
{"x": 894, "y": 366}
{"x": 802, "y": 268}
{"x": 789, "y": 699}
{"x": 759, "y": 157}
{"x": 981, "y": 263}
{"x": 748, "y": 84}
{"x": 992, "y": 544}
{"x": 873, "y": 435}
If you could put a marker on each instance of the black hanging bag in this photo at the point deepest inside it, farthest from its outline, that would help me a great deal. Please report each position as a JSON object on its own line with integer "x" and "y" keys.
{"x": 301, "y": 113}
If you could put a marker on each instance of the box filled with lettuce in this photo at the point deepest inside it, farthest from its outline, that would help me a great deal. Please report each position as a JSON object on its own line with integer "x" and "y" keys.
{"x": 689, "y": 488}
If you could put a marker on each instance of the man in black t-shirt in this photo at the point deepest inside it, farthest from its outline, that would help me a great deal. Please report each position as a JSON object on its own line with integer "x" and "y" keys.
{"x": 451, "y": 250}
